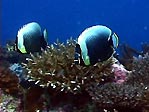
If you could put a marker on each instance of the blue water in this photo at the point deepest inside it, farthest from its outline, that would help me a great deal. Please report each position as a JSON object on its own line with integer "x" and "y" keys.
{"x": 66, "y": 18}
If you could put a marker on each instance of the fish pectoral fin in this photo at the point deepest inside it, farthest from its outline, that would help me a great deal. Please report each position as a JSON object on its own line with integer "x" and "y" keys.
{"x": 87, "y": 60}
{"x": 23, "y": 50}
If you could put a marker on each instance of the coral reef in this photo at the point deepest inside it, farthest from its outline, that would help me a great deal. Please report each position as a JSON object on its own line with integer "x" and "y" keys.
{"x": 53, "y": 81}
{"x": 132, "y": 95}
{"x": 123, "y": 97}
{"x": 55, "y": 74}
{"x": 126, "y": 54}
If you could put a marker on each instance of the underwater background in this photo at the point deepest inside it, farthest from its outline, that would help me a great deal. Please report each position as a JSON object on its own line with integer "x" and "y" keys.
{"x": 57, "y": 78}
{"x": 65, "y": 19}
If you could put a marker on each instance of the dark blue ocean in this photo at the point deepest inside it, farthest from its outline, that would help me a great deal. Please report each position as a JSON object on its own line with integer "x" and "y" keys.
{"x": 68, "y": 18}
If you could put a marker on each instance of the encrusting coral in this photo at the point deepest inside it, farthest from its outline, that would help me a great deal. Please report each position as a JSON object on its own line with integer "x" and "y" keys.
{"x": 56, "y": 67}
{"x": 9, "y": 82}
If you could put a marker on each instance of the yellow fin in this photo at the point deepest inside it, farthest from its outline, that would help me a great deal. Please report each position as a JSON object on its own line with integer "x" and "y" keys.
{"x": 87, "y": 60}
{"x": 23, "y": 50}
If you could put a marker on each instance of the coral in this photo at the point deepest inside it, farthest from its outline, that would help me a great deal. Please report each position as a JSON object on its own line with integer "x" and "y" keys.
{"x": 140, "y": 70}
{"x": 53, "y": 81}
{"x": 119, "y": 96}
{"x": 132, "y": 95}
{"x": 120, "y": 73}
{"x": 10, "y": 45}
{"x": 9, "y": 103}
{"x": 19, "y": 71}
{"x": 33, "y": 99}
{"x": 127, "y": 53}
{"x": 9, "y": 82}
{"x": 145, "y": 48}
{"x": 8, "y": 55}
{"x": 56, "y": 67}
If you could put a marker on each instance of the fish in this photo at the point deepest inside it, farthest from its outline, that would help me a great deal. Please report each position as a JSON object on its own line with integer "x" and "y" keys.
{"x": 31, "y": 39}
{"x": 96, "y": 44}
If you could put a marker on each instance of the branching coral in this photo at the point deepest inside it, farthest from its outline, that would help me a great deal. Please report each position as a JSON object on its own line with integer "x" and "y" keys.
{"x": 132, "y": 95}
{"x": 56, "y": 67}
{"x": 120, "y": 97}
{"x": 140, "y": 70}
